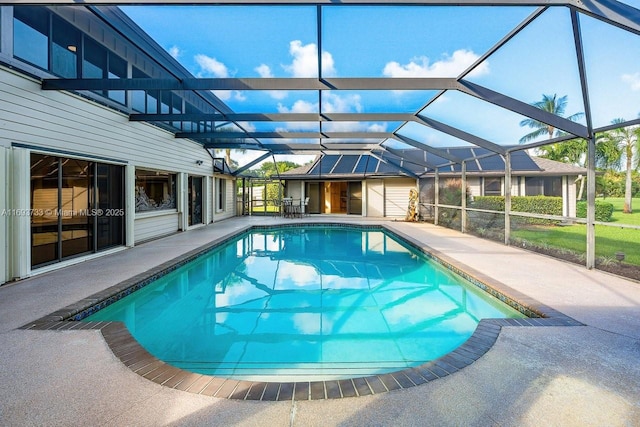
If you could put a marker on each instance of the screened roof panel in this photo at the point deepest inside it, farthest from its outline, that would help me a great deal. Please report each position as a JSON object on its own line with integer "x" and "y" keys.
{"x": 519, "y": 55}
{"x": 430, "y": 136}
{"x": 346, "y": 164}
{"x": 522, "y": 162}
{"x": 375, "y": 101}
{"x": 518, "y": 70}
{"x": 613, "y": 71}
{"x": 480, "y": 118}
{"x": 362, "y": 165}
{"x": 412, "y": 41}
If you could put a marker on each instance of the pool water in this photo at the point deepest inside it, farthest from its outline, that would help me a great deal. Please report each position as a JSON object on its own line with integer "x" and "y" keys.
{"x": 314, "y": 303}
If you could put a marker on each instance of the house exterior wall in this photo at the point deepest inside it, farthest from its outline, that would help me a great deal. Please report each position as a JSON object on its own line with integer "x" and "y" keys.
{"x": 375, "y": 198}
{"x": 70, "y": 126}
{"x": 228, "y": 209}
{"x": 396, "y": 196}
{"x": 475, "y": 185}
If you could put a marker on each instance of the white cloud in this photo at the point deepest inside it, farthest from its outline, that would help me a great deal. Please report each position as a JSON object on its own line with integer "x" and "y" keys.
{"x": 334, "y": 103}
{"x": 305, "y": 61}
{"x": 377, "y": 127}
{"x": 331, "y": 103}
{"x": 448, "y": 66}
{"x": 300, "y": 106}
{"x": 633, "y": 80}
{"x": 175, "y": 51}
{"x": 265, "y": 72}
{"x": 210, "y": 66}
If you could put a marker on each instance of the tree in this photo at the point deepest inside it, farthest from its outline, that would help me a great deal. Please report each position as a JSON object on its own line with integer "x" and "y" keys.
{"x": 227, "y": 151}
{"x": 267, "y": 169}
{"x": 627, "y": 140}
{"x": 569, "y": 152}
{"x": 551, "y": 104}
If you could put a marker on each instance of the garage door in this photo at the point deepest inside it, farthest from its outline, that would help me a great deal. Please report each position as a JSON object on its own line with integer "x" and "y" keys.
{"x": 396, "y": 196}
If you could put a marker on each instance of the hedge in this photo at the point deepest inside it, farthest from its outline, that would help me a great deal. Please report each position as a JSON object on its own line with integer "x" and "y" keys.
{"x": 530, "y": 204}
{"x": 604, "y": 211}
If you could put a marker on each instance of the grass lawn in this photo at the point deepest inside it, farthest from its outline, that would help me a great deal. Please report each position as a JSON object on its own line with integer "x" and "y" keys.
{"x": 609, "y": 240}
{"x": 623, "y": 218}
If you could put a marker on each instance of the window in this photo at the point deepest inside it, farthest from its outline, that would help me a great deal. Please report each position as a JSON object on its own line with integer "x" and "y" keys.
{"x": 543, "y": 186}
{"x": 155, "y": 190}
{"x": 221, "y": 189}
{"x": 492, "y": 187}
{"x": 65, "y": 44}
{"x": 77, "y": 207}
{"x": 31, "y": 35}
{"x": 100, "y": 63}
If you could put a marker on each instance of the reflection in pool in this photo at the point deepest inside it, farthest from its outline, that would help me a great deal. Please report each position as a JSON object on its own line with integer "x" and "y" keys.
{"x": 305, "y": 304}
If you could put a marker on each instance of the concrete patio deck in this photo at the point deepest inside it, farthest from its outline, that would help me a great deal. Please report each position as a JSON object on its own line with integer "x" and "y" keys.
{"x": 582, "y": 375}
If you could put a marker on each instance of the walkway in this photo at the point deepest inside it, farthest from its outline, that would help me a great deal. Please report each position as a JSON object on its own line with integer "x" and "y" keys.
{"x": 586, "y": 376}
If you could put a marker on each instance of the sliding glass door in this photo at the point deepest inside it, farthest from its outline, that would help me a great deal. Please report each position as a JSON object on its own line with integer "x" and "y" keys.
{"x": 77, "y": 207}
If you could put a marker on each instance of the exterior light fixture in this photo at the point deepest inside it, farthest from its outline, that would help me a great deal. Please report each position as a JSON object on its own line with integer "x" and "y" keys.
{"x": 199, "y": 162}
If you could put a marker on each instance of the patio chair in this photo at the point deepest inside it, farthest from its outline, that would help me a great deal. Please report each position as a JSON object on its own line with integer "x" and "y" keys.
{"x": 287, "y": 207}
{"x": 305, "y": 205}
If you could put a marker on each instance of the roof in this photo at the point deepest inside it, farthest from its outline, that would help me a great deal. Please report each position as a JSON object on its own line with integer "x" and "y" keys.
{"x": 413, "y": 163}
{"x": 552, "y": 167}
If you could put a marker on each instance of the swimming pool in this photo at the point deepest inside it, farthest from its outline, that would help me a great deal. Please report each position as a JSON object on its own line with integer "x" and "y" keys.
{"x": 310, "y": 303}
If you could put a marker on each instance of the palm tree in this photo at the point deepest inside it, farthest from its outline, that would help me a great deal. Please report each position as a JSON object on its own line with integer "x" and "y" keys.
{"x": 551, "y": 104}
{"x": 627, "y": 140}
{"x": 571, "y": 151}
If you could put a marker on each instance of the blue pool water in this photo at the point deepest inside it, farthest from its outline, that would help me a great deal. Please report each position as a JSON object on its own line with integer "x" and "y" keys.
{"x": 314, "y": 303}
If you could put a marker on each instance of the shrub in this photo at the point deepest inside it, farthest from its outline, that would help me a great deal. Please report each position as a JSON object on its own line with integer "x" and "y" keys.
{"x": 604, "y": 211}
{"x": 530, "y": 204}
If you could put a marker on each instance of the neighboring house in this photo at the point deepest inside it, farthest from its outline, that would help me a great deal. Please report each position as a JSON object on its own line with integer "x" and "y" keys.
{"x": 379, "y": 186}
{"x": 78, "y": 177}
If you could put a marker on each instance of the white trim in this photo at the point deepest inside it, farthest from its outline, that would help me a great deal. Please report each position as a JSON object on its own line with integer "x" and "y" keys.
{"x": 154, "y": 213}
{"x": 130, "y": 204}
{"x": 20, "y": 189}
{"x": 4, "y": 231}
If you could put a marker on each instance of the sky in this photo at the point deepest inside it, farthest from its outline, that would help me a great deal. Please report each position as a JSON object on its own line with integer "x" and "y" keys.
{"x": 402, "y": 41}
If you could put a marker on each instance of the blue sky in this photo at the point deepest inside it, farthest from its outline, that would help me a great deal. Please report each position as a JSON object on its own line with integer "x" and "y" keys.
{"x": 393, "y": 41}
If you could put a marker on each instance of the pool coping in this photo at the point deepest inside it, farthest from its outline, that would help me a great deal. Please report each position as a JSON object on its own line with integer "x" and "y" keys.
{"x": 135, "y": 357}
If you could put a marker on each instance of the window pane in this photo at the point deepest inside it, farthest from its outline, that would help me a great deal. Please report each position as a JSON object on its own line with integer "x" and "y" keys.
{"x": 553, "y": 186}
{"x": 64, "y": 47}
{"x": 110, "y": 201}
{"x": 31, "y": 35}
{"x": 534, "y": 186}
{"x": 138, "y": 97}
{"x": 155, "y": 190}
{"x": 195, "y": 200}
{"x": 94, "y": 65}
{"x": 44, "y": 202}
{"x": 152, "y": 101}
{"x": 492, "y": 187}
{"x": 221, "y": 194}
{"x": 117, "y": 70}
{"x": 77, "y": 223}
